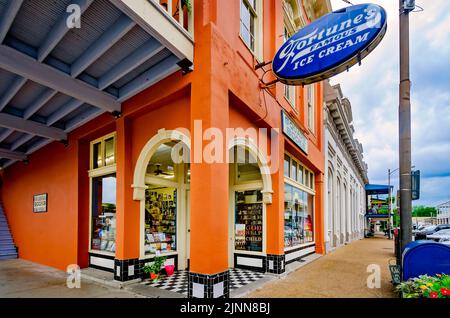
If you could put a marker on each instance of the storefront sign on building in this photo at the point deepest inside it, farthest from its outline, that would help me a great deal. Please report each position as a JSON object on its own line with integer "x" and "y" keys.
{"x": 294, "y": 133}
{"x": 40, "y": 203}
{"x": 330, "y": 45}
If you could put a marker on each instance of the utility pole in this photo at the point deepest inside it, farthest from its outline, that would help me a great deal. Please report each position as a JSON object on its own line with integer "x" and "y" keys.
{"x": 405, "y": 130}
{"x": 390, "y": 221}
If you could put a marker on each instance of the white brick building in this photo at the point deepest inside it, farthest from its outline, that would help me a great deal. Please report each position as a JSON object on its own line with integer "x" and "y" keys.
{"x": 443, "y": 213}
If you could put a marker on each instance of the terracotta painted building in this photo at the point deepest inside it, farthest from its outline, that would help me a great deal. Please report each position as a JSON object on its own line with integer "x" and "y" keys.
{"x": 113, "y": 137}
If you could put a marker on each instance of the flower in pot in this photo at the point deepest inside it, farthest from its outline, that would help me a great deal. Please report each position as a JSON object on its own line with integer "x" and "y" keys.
{"x": 154, "y": 268}
{"x": 426, "y": 286}
{"x": 169, "y": 269}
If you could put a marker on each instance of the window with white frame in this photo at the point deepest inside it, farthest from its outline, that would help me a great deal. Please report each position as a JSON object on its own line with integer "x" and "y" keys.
{"x": 102, "y": 175}
{"x": 298, "y": 203}
{"x": 289, "y": 90}
{"x": 251, "y": 25}
{"x": 295, "y": 171}
{"x": 310, "y": 101}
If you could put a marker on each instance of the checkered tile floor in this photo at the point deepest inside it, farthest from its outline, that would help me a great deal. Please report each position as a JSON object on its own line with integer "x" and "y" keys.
{"x": 178, "y": 282}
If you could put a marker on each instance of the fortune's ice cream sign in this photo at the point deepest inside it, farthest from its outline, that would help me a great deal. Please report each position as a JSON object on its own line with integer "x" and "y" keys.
{"x": 330, "y": 45}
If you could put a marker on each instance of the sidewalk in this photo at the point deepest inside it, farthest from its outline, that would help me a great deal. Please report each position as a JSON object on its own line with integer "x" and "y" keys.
{"x": 23, "y": 279}
{"x": 340, "y": 274}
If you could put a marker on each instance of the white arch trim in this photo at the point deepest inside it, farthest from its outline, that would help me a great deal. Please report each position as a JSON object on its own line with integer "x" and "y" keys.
{"x": 252, "y": 148}
{"x": 163, "y": 136}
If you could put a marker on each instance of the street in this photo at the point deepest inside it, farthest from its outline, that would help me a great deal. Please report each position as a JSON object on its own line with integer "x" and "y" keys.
{"x": 341, "y": 273}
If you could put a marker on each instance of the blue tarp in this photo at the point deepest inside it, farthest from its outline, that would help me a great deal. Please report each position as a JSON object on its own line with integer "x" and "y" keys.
{"x": 377, "y": 189}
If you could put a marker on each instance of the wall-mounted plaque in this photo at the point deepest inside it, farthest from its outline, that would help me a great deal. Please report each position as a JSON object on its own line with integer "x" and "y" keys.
{"x": 40, "y": 203}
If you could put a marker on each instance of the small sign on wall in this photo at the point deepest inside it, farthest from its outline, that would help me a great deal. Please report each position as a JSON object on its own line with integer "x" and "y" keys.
{"x": 40, "y": 203}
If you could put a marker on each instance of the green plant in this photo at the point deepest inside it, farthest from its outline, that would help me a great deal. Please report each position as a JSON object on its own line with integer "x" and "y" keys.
{"x": 426, "y": 286}
{"x": 154, "y": 267}
{"x": 187, "y": 4}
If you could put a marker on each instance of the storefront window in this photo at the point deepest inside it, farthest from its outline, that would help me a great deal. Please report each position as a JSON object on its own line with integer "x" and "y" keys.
{"x": 300, "y": 175}
{"x": 97, "y": 155}
{"x": 103, "y": 151}
{"x": 104, "y": 213}
{"x": 249, "y": 221}
{"x": 247, "y": 166}
{"x": 109, "y": 151}
{"x": 160, "y": 220}
{"x": 287, "y": 165}
{"x": 298, "y": 216}
{"x": 187, "y": 169}
{"x": 307, "y": 178}
{"x": 161, "y": 164}
{"x": 294, "y": 170}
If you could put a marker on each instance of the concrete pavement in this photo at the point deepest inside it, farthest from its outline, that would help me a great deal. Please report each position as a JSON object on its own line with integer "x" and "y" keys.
{"x": 23, "y": 279}
{"x": 342, "y": 273}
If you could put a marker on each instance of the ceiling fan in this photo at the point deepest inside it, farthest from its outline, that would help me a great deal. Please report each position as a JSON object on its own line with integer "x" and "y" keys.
{"x": 158, "y": 171}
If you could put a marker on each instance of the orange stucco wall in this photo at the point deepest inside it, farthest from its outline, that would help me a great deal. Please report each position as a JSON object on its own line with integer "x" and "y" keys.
{"x": 49, "y": 238}
{"x": 223, "y": 91}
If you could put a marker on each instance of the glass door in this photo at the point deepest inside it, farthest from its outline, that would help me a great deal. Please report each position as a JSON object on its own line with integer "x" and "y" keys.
{"x": 248, "y": 224}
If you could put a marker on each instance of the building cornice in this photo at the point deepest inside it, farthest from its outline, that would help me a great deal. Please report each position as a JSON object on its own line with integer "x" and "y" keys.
{"x": 340, "y": 117}
{"x": 314, "y": 9}
{"x": 339, "y": 143}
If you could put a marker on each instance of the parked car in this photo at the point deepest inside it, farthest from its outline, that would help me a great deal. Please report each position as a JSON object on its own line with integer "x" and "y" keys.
{"x": 417, "y": 228}
{"x": 445, "y": 241}
{"x": 422, "y": 235}
{"x": 439, "y": 235}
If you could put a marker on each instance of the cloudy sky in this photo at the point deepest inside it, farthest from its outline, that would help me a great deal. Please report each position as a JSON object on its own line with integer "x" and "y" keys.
{"x": 373, "y": 91}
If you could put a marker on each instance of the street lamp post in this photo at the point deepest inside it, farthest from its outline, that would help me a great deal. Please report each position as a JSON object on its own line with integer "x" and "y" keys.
{"x": 391, "y": 217}
{"x": 405, "y": 130}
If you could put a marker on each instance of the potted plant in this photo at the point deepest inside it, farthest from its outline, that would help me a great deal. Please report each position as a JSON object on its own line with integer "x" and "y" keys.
{"x": 426, "y": 286}
{"x": 169, "y": 269}
{"x": 187, "y": 4}
{"x": 154, "y": 268}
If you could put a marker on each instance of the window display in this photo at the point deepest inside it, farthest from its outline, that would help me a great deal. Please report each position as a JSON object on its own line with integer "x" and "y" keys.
{"x": 104, "y": 213}
{"x": 160, "y": 220}
{"x": 249, "y": 221}
{"x": 298, "y": 216}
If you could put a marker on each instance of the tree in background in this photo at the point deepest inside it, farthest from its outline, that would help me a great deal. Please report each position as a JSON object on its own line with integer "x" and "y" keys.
{"x": 424, "y": 211}
{"x": 418, "y": 211}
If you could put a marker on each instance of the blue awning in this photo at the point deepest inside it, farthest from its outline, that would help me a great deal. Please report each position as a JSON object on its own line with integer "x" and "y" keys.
{"x": 378, "y": 216}
{"x": 377, "y": 189}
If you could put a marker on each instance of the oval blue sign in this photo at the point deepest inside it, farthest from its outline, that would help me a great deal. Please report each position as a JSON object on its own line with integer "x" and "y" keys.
{"x": 330, "y": 45}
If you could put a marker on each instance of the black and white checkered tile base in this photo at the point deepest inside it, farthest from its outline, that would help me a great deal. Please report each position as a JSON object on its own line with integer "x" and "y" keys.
{"x": 240, "y": 277}
{"x": 178, "y": 282}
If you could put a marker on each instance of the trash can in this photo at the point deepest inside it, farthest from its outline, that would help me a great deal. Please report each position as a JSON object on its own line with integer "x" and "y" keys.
{"x": 425, "y": 258}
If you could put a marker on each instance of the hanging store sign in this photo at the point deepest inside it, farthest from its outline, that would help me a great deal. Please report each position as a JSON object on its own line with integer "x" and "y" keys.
{"x": 330, "y": 45}
{"x": 40, "y": 203}
{"x": 294, "y": 133}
